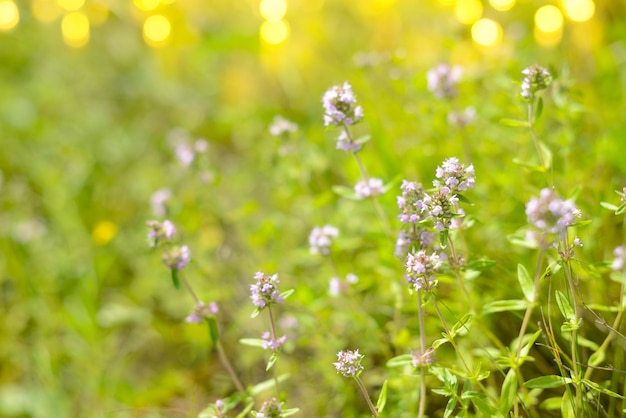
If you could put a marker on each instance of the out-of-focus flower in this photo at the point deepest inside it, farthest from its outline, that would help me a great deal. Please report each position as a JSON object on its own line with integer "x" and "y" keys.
{"x": 371, "y": 187}
{"x": 454, "y": 175}
{"x": 321, "y": 238}
{"x": 201, "y": 311}
{"x": 442, "y": 80}
{"x": 421, "y": 269}
{"x": 177, "y": 257}
{"x": 463, "y": 118}
{"x": 271, "y": 408}
{"x": 620, "y": 258}
{"x": 158, "y": 201}
{"x": 345, "y": 142}
{"x": 272, "y": 344}
{"x": 281, "y": 126}
{"x": 340, "y": 108}
{"x": 550, "y": 215}
{"x": 536, "y": 78}
{"x": 420, "y": 359}
{"x": 160, "y": 231}
{"x": 349, "y": 363}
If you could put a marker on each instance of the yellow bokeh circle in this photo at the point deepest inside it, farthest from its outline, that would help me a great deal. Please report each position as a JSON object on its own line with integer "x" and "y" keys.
{"x": 502, "y": 5}
{"x": 273, "y": 9}
{"x": 468, "y": 11}
{"x": 579, "y": 10}
{"x": 274, "y": 32}
{"x": 156, "y": 30}
{"x": 146, "y": 5}
{"x": 71, "y": 5}
{"x": 487, "y": 32}
{"x": 9, "y": 15}
{"x": 548, "y": 19}
{"x": 46, "y": 10}
{"x": 104, "y": 232}
{"x": 75, "y": 29}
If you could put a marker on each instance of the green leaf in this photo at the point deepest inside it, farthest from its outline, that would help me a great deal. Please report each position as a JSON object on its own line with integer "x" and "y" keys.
{"x": 246, "y": 410}
{"x": 213, "y": 330}
{"x": 480, "y": 265}
{"x": 267, "y": 384}
{"x": 609, "y": 206}
{"x": 515, "y": 123}
{"x": 546, "y": 155}
{"x": 382, "y": 398}
{"x": 526, "y": 283}
{"x": 564, "y": 306}
{"x": 481, "y": 403}
{"x": 400, "y": 361}
{"x": 526, "y": 349}
{"x": 449, "y": 407}
{"x": 530, "y": 166}
{"x": 363, "y": 139}
{"x": 255, "y": 313}
{"x": 175, "y": 279}
{"x": 290, "y": 411}
{"x": 552, "y": 404}
{"x": 596, "y": 387}
{"x": 509, "y": 391}
{"x": 345, "y": 191}
{"x": 443, "y": 238}
{"x": 539, "y": 109}
{"x": 252, "y": 342}
{"x": 272, "y": 360}
{"x": 567, "y": 409}
{"x": 287, "y": 293}
{"x": 547, "y": 382}
{"x": 621, "y": 209}
{"x": 462, "y": 325}
{"x": 464, "y": 199}
{"x": 505, "y": 305}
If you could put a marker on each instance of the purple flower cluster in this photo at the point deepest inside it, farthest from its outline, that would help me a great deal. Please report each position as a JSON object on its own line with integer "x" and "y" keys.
{"x": 421, "y": 268}
{"x": 410, "y": 202}
{"x": 271, "y": 408}
{"x": 160, "y": 231}
{"x": 349, "y": 363}
{"x": 550, "y": 215}
{"x": 219, "y": 411}
{"x": 340, "y": 108}
{"x": 281, "y": 126}
{"x": 370, "y": 187}
{"x": 536, "y": 78}
{"x": 201, "y": 311}
{"x": 321, "y": 238}
{"x": 264, "y": 292}
{"x": 271, "y": 344}
{"x": 336, "y": 285}
{"x": 177, "y": 257}
{"x": 442, "y": 80}
{"x": 462, "y": 118}
{"x": 441, "y": 206}
{"x": 345, "y": 142}
{"x": 452, "y": 174}
{"x": 423, "y": 359}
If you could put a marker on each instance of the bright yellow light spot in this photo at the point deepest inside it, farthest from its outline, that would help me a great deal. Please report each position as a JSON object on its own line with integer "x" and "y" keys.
{"x": 46, "y": 10}
{"x": 75, "y": 29}
{"x": 502, "y": 5}
{"x": 274, "y": 33}
{"x": 146, "y": 5}
{"x": 486, "y": 32}
{"x": 548, "y": 19}
{"x": 548, "y": 39}
{"x": 98, "y": 12}
{"x": 9, "y": 15}
{"x": 579, "y": 10}
{"x": 156, "y": 30}
{"x": 71, "y": 5}
{"x": 273, "y": 9}
{"x": 468, "y": 11}
{"x": 104, "y": 232}
{"x": 447, "y": 2}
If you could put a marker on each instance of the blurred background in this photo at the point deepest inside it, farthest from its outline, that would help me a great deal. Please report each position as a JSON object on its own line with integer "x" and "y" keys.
{"x": 113, "y": 112}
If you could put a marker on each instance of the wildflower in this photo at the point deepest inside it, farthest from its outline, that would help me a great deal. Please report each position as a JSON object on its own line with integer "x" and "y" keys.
{"x": 158, "y": 201}
{"x": 536, "y": 78}
{"x": 421, "y": 269}
{"x": 321, "y": 238}
{"x": 409, "y": 202}
{"x": 280, "y": 126}
{"x": 340, "y": 107}
{"x": 550, "y": 214}
{"x": 336, "y": 286}
{"x": 218, "y": 409}
{"x": 264, "y": 292}
{"x": 454, "y": 175}
{"x": 185, "y": 153}
{"x": 345, "y": 142}
{"x": 201, "y": 145}
{"x": 367, "y": 188}
{"x": 349, "y": 363}
{"x": 462, "y": 119}
{"x": 160, "y": 231}
{"x": 442, "y": 80}
{"x": 623, "y": 194}
{"x": 270, "y": 343}
{"x": 423, "y": 359}
{"x": 620, "y": 258}
{"x": 271, "y": 408}
{"x": 177, "y": 258}
{"x": 201, "y": 311}
{"x": 441, "y": 206}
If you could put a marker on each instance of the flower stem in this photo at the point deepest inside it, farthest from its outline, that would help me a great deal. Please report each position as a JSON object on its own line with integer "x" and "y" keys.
{"x": 420, "y": 314}
{"x": 367, "y": 396}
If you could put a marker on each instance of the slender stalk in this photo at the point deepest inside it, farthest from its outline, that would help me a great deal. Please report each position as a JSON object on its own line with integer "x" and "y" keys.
{"x": 455, "y": 266}
{"x": 366, "y": 395}
{"x": 531, "y": 125}
{"x": 273, "y": 331}
{"x": 420, "y": 314}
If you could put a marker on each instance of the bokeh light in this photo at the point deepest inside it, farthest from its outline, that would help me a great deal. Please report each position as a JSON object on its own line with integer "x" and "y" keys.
{"x": 548, "y": 19}
{"x": 104, "y": 232}
{"x": 9, "y": 15}
{"x": 156, "y": 30}
{"x": 146, "y": 5}
{"x": 487, "y": 32}
{"x": 468, "y": 11}
{"x": 273, "y": 10}
{"x": 548, "y": 39}
{"x": 274, "y": 32}
{"x": 502, "y": 5}
{"x": 579, "y": 10}
{"x": 75, "y": 29}
{"x": 46, "y": 10}
{"x": 71, "y": 5}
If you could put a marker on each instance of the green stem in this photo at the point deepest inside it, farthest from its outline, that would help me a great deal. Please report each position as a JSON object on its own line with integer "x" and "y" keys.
{"x": 273, "y": 330}
{"x": 366, "y": 395}
{"x": 420, "y": 314}
{"x": 531, "y": 125}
